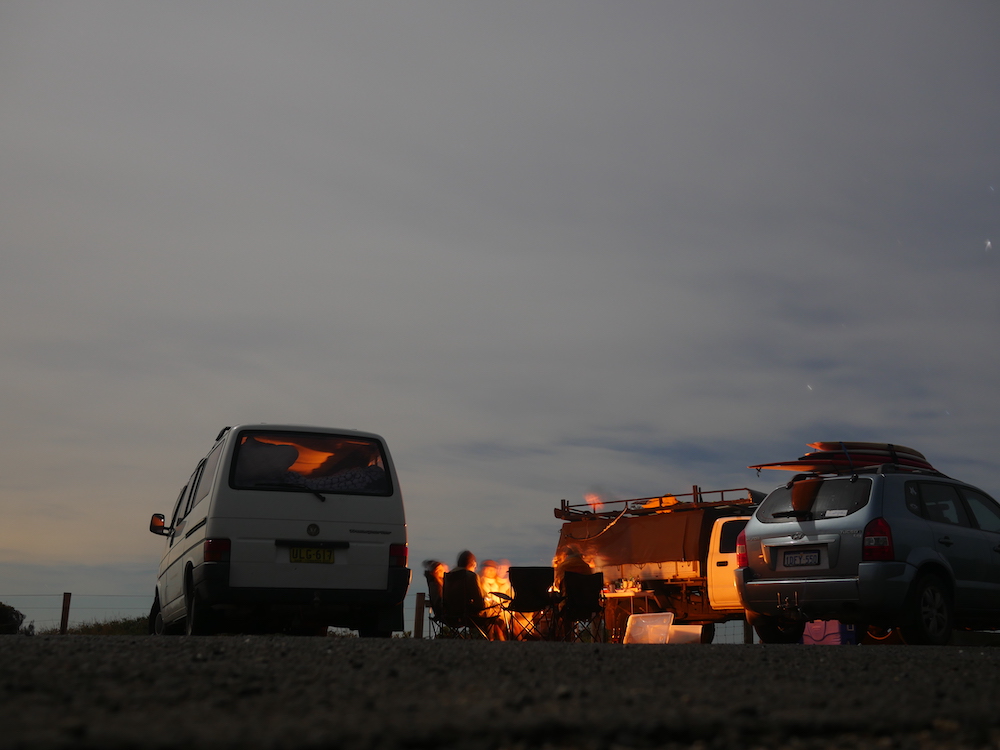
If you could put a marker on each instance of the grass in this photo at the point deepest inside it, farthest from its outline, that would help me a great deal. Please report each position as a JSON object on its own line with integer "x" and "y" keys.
{"x": 121, "y": 626}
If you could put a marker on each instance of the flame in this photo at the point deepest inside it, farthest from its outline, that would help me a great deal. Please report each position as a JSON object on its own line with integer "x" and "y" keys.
{"x": 594, "y": 501}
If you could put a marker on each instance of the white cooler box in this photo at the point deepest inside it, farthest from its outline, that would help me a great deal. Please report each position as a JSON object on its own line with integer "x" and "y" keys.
{"x": 652, "y": 628}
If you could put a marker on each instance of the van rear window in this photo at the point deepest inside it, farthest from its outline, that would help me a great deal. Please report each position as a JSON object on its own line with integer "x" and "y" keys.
{"x": 835, "y": 498}
{"x": 309, "y": 462}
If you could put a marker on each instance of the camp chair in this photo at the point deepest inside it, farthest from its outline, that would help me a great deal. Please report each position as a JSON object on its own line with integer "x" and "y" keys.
{"x": 581, "y": 610}
{"x": 435, "y": 610}
{"x": 531, "y": 607}
{"x": 459, "y": 615}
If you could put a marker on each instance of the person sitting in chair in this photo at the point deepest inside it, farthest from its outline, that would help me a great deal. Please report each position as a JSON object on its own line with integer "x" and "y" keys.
{"x": 571, "y": 561}
{"x": 463, "y": 599}
{"x": 434, "y": 571}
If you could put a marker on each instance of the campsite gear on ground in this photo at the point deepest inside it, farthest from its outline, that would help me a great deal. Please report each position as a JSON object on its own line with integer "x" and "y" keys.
{"x": 649, "y": 628}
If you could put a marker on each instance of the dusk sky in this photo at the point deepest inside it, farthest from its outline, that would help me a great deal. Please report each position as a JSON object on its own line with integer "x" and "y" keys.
{"x": 543, "y": 248}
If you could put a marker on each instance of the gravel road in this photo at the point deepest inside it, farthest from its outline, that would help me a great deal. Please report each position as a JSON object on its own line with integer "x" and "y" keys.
{"x": 282, "y": 692}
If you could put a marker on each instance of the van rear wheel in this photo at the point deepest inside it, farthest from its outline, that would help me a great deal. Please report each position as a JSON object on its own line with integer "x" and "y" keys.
{"x": 156, "y": 626}
{"x": 199, "y": 619}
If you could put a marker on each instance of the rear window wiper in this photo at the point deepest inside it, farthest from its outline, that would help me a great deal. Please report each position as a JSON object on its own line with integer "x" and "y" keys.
{"x": 802, "y": 515}
{"x": 291, "y": 485}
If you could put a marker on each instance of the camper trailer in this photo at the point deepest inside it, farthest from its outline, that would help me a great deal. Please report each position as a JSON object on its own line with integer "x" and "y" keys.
{"x": 672, "y": 553}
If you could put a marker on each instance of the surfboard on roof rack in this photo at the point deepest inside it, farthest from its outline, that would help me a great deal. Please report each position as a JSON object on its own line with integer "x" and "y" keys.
{"x": 867, "y": 458}
{"x": 841, "y": 457}
{"x": 866, "y": 447}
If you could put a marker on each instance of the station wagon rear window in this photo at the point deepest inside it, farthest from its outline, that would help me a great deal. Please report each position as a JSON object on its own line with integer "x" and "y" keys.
{"x": 835, "y": 498}
{"x": 309, "y": 462}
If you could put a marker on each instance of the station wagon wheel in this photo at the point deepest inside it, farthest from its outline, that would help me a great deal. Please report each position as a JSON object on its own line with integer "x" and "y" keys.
{"x": 775, "y": 630}
{"x": 929, "y": 616}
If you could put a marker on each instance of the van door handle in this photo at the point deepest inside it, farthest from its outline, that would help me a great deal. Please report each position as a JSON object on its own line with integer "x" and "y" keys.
{"x": 946, "y": 541}
{"x": 997, "y": 548}
{"x": 724, "y": 563}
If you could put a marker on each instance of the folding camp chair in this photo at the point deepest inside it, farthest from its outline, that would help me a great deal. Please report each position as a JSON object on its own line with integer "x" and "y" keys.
{"x": 463, "y": 610}
{"x": 530, "y": 609}
{"x": 438, "y": 629}
{"x": 581, "y": 610}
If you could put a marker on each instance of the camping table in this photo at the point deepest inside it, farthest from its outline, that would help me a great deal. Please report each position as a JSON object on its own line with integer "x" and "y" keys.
{"x": 618, "y": 605}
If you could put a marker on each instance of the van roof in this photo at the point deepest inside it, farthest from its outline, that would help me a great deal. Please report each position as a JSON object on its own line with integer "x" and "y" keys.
{"x": 281, "y": 427}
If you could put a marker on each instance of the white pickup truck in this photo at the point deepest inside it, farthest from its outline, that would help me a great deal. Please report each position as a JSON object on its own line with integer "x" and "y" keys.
{"x": 674, "y": 553}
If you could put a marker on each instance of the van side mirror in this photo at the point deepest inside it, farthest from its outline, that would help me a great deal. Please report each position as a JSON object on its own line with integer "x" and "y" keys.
{"x": 158, "y": 524}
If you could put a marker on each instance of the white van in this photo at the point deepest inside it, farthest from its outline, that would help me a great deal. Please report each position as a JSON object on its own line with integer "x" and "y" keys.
{"x": 285, "y": 528}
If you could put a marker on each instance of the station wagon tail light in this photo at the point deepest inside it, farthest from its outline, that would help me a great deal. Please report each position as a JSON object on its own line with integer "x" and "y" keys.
{"x": 398, "y": 555}
{"x": 742, "y": 559}
{"x": 217, "y": 550}
{"x": 877, "y": 544}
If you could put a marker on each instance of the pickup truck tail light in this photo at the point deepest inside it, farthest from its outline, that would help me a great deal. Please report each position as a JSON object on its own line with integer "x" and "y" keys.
{"x": 877, "y": 544}
{"x": 398, "y": 555}
{"x": 742, "y": 559}
{"x": 217, "y": 550}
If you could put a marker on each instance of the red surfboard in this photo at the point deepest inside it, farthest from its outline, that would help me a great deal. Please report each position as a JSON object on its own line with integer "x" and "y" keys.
{"x": 867, "y": 458}
{"x": 806, "y": 467}
{"x": 840, "y": 457}
{"x": 866, "y": 447}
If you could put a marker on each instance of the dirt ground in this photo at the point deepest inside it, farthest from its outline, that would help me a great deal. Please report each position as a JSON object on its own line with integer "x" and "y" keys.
{"x": 282, "y": 692}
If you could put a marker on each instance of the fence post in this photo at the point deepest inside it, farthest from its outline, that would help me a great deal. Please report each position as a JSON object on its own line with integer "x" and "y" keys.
{"x": 418, "y": 616}
{"x": 64, "y": 623}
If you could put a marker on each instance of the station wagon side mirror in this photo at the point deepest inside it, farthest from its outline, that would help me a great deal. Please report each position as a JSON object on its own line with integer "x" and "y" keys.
{"x": 158, "y": 524}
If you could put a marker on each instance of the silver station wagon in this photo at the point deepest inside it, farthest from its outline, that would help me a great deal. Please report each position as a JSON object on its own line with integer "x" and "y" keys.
{"x": 891, "y": 548}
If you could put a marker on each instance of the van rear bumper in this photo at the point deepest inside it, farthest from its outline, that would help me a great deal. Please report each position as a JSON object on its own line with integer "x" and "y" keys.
{"x": 339, "y": 607}
{"x": 211, "y": 581}
{"x": 877, "y": 592}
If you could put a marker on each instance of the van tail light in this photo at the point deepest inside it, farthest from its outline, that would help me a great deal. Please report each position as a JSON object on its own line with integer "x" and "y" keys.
{"x": 217, "y": 550}
{"x": 398, "y": 555}
{"x": 877, "y": 544}
{"x": 742, "y": 559}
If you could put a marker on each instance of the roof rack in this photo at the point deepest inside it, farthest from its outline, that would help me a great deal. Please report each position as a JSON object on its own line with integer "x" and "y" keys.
{"x": 887, "y": 468}
{"x": 644, "y": 506}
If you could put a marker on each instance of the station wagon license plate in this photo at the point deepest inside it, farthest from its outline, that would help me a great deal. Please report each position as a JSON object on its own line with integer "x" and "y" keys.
{"x": 310, "y": 555}
{"x": 801, "y": 558}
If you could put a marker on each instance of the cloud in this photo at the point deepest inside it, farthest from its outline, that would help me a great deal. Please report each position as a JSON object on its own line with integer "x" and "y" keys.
{"x": 539, "y": 248}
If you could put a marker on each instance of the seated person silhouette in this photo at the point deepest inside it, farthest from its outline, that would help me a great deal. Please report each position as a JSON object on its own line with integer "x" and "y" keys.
{"x": 434, "y": 572}
{"x": 571, "y": 561}
{"x": 463, "y": 600}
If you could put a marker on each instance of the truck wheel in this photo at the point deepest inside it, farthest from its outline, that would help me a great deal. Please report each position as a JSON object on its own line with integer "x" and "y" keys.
{"x": 708, "y": 632}
{"x": 929, "y": 617}
{"x": 775, "y": 630}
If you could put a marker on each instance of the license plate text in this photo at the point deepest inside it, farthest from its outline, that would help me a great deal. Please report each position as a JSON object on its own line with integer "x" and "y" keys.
{"x": 801, "y": 559}
{"x": 310, "y": 555}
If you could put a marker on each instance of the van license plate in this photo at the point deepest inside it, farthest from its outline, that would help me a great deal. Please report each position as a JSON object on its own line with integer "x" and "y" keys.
{"x": 801, "y": 559}
{"x": 310, "y": 555}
